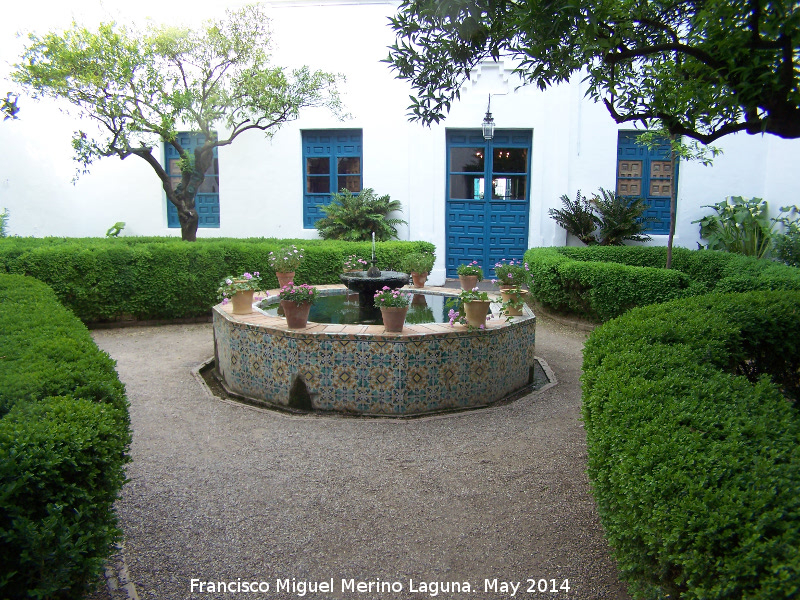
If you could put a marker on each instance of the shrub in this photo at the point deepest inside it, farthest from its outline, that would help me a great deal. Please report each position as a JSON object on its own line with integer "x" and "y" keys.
{"x": 743, "y": 226}
{"x": 64, "y": 435}
{"x": 577, "y": 217}
{"x": 693, "y": 446}
{"x": 419, "y": 262}
{"x": 164, "y": 278}
{"x": 787, "y": 245}
{"x": 355, "y": 217}
{"x": 606, "y": 218}
{"x": 601, "y": 283}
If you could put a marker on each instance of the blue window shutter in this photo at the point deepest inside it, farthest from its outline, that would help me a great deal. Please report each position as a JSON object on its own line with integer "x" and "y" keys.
{"x": 644, "y": 172}
{"x": 330, "y": 156}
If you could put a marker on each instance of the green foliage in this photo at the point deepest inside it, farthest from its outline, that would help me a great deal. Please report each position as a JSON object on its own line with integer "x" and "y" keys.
{"x": 286, "y": 260}
{"x": 743, "y": 226}
{"x": 578, "y": 218}
{"x": 142, "y": 87}
{"x": 354, "y": 217}
{"x": 8, "y": 107}
{"x": 787, "y": 245}
{"x": 606, "y": 218}
{"x": 620, "y": 218}
{"x": 511, "y": 273}
{"x": 300, "y": 293}
{"x": 419, "y": 262}
{"x": 705, "y": 70}
{"x": 4, "y": 223}
{"x": 106, "y": 279}
{"x": 115, "y": 229}
{"x": 693, "y": 447}
{"x": 64, "y": 435}
{"x": 470, "y": 269}
{"x": 602, "y": 282}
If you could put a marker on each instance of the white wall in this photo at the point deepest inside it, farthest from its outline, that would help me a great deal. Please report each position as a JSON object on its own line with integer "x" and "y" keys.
{"x": 261, "y": 181}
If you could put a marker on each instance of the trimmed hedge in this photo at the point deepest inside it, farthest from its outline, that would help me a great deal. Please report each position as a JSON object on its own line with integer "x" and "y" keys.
{"x": 603, "y": 282}
{"x": 164, "y": 278}
{"x": 64, "y": 436}
{"x": 693, "y": 428}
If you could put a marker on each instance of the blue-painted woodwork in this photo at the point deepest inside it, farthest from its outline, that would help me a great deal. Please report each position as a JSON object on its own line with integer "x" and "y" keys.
{"x": 645, "y": 172}
{"x": 486, "y": 227}
{"x": 207, "y": 199}
{"x": 332, "y": 161}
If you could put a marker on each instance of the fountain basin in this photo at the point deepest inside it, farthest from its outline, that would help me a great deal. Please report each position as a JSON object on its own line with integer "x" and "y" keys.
{"x": 366, "y": 286}
{"x": 364, "y": 370}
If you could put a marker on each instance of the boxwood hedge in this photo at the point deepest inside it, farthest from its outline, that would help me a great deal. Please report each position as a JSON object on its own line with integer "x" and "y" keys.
{"x": 693, "y": 428}
{"x": 164, "y": 278}
{"x": 602, "y": 282}
{"x": 64, "y": 436}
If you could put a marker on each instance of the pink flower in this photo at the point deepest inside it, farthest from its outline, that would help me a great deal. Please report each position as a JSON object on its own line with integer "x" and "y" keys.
{"x": 224, "y": 300}
{"x": 247, "y": 276}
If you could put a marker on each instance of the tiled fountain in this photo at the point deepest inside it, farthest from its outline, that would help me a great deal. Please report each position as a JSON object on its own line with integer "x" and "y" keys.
{"x": 361, "y": 369}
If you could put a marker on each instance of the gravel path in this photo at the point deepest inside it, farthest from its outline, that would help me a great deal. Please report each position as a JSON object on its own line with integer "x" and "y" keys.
{"x": 221, "y": 492}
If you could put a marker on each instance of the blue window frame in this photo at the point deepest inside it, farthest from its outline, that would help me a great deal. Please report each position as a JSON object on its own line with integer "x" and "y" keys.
{"x": 645, "y": 172}
{"x": 332, "y": 161}
{"x": 207, "y": 199}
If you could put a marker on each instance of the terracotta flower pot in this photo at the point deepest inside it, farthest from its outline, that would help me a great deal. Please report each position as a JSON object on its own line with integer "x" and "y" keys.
{"x": 296, "y": 314}
{"x": 242, "y": 302}
{"x": 476, "y": 312}
{"x": 394, "y": 317}
{"x": 468, "y": 282}
{"x": 509, "y": 296}
{"x": 419, "y": 279}
{"x": 284, "y": 278}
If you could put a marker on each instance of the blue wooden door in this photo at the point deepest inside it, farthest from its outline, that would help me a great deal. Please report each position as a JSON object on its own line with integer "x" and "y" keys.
{"x": 645, "y": 172}
{"x": 207, "y": 198}
{"x": 483, "y": 224}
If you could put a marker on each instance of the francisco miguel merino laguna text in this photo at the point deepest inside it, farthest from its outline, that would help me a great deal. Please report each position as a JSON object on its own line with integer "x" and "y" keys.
{"x": 302, "y": 587}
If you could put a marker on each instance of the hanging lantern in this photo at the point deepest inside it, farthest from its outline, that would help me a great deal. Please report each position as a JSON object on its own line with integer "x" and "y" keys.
{"x": 488, "y": 122}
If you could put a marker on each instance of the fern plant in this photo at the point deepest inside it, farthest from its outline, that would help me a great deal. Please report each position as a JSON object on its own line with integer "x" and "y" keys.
{"x": 621, "y": 218}
{"x": 353, "y": 217}
{"x": 577, "y": 218}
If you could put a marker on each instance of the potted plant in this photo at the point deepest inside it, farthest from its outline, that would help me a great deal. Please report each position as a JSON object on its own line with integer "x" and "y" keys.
{"x": 239, "y": 291}
{"x": 476, "y": 308}
{"x": 419, "y": 264}
{"x": 469, "y": 275}
{"x": 296, "y": 301}
{"x": 394, "y": 306}
{"x": 353, "y": 263}
{"x": 285, "y": 262}
{"x": 511, "y": 276}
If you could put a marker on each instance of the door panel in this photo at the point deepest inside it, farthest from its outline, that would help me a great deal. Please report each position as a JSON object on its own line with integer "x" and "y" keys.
{"x": 481, "y": 228}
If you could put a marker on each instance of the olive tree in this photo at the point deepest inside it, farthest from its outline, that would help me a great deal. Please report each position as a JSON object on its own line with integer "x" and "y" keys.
{"x": 142, "y": 87}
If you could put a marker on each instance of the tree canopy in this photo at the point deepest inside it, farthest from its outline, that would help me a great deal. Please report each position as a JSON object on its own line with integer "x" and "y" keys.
{"x": 143, "y": 87}
{"x": 696, "y": 68}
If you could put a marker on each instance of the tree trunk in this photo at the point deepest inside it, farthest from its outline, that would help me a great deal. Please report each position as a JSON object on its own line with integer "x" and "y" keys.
{"x": 187, "y": 191}
{"x": 673, "y": 200}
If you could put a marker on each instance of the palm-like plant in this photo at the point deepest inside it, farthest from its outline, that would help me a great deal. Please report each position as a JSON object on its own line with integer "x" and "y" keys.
{"x": 620, "y": 218}
{"x": 353, "y": 217}
{"x": 577, "y": 218}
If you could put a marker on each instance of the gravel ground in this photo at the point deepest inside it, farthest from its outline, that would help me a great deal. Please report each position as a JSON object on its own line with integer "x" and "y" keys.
{"x": 222, "y": 492}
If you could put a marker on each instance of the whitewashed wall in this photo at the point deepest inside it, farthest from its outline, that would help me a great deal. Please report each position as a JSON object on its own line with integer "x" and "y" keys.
{"x": 261, "y": 180}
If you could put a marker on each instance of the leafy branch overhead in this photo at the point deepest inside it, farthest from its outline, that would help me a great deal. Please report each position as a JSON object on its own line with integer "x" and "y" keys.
{"x": 701, "y": 69}
{"x": 140, "y": 88}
